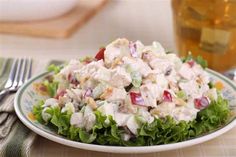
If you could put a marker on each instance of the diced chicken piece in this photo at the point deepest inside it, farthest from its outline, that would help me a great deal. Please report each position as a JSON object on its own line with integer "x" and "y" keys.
{"x": 95, "y": 71}
{"x": 161, "y": 81}
{"x": 102, "y": 74}
{"x": 117, "y": 48}
{"x": 69, "y": 107}
{"x": 203, "y": 88}
{"x": 87, "y": 110}
{"x": 126, "y": 137}
{"x": 204, "y": 78}
{"x": 174, "y": 59}
{"x": 127, "y": 106}
{"x": 74, "y": 62}
{"x": 137, "y": 64}
{"x": 63, "y": 83}
{"x": 158, "y": 79}
{"x": 150, "y": 93}
{"x": 161, "y": 65}
{"x": 99, "y": 89}
{"x": 63, "y": 100}
{"x": 191, "y": 88}
{"x": 46, "y": 116}
{"x": 108, "y": 109}
{"x": 164, "y": 109}
{"x": 89, "y": 69}
{"x": 78, "y": 93}
{"x": 148, "y": 56}
{"x": 77, "y": 120}
{"x": 184, "y": 113}
{"x": 190, "y": 102}
{"x": 187, "y": 72}
{"x": 71, "y": 94}
{"x": 75, "y": 94}
{"x": 90, "y": 83}
{"x": 139, "y": 47}
{"x": 114, "y": 94}
{"x": 211, "y": 94}
{"x": 89, "y": 118}
{"x": 121, "y": 118}
{"x": 147, "y": 117}
{"x": 120, "y": 78}
{"x": 132, "y": 124}
{"x": 197, "y": 69}
{"x": 173, "y": 77}
{"x": 173, "y": 86}
{"x": 50, "y": 102}
{"x": 110, "y": 54}
{"x": 156, "y": 47}
{"x": 136, "y": 49}
{"x": 72, "y": 66}
{"x": 144, "y": 69}
{"x": 150, "y": 78}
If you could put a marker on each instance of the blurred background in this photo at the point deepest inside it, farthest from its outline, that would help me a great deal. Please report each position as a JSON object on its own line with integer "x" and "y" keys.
{"x": 132, "y": 19}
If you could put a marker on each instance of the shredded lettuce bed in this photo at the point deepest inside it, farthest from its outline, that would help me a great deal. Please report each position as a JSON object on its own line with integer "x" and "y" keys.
{"x": 160, "y": 131}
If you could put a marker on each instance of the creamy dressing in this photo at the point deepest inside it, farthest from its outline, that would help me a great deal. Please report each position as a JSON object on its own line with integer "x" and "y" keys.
{"x": 154, "y": 78}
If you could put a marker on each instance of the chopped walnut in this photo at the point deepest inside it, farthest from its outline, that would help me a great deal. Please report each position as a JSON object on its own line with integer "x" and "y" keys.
{"x": 155, "y": 111}
{"x": 106, "y": 93}
{"x": 151, "y": 78}
{"x": 179, "y": 102}
{"x": 116, "y": 62}
{"x": 91, "y": 102}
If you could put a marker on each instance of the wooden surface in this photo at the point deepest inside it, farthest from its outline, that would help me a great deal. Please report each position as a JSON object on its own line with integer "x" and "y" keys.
{"x": 59, "y": 27}
{"x": 146, "y": 20}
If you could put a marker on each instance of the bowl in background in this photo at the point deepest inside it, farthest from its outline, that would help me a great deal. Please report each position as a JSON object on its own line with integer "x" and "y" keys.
{"x": 31, "y": 10}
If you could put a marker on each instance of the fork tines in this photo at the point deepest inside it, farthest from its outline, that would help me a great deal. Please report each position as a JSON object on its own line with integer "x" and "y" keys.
{"x": 20, "y": 72}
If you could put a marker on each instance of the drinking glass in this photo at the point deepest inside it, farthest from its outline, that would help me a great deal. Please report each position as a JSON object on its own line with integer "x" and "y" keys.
{"x": 207, "y": 28}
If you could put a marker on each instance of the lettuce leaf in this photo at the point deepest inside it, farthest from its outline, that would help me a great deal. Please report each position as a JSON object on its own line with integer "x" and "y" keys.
{"x": 199, "y": 59}
{"x": 213, "y": 116}
{"x": 54, "y": 68}
{"x": 73, "y": 133}
{"x": 37, "y": 111}
{"x": 202, "y": 62}
{"x": 60, "y": 120}
{"x": 160, "y": 131}
{"x": 51, "y": 87}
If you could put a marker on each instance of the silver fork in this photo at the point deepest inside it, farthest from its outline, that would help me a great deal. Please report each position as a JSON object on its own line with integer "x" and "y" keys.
{"x": 20, "y": 72}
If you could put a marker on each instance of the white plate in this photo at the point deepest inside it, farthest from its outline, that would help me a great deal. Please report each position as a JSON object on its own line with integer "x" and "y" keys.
{"x": 26, "y": 97}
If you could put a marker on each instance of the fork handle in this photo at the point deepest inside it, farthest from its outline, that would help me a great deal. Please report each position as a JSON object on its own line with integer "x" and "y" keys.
{"x": 3, "y": 93}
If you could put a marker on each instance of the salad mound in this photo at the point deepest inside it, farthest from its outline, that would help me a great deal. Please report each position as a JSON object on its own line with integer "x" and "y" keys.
{"x": 131, "y": 95}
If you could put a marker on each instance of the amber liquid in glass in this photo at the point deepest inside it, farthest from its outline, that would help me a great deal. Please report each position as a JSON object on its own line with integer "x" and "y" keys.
{"x": 207, "y": 28}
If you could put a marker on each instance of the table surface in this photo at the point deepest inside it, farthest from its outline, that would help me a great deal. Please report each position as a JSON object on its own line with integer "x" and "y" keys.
{"x": 134, "y": 19}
